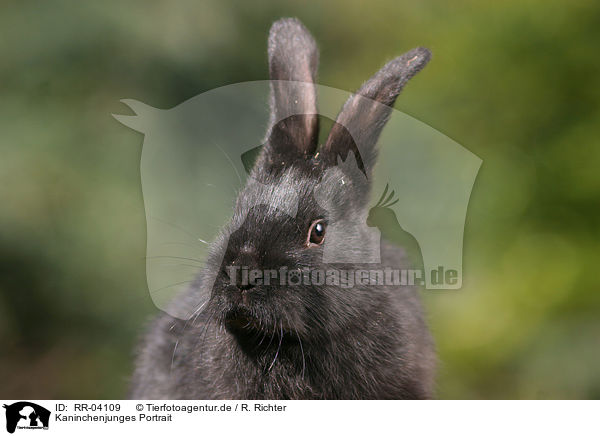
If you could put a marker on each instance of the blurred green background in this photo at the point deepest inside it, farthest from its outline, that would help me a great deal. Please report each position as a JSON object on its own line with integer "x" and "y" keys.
{"x": 516, "y": 82}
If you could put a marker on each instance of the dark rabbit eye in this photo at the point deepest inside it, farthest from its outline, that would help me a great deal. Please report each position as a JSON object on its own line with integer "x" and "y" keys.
{"x": 316, "y": 233}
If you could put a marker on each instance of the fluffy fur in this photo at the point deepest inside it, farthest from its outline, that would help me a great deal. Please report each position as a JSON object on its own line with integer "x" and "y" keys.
{"x": 306, "y": 341}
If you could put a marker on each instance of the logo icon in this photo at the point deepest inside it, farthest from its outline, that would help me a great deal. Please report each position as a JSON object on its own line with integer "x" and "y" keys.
{"x": 26, "y": 415}
{"x": 199, "y": 155}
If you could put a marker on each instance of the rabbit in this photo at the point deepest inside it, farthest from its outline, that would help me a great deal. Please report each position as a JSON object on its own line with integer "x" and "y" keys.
{"x": 303, "y": 341}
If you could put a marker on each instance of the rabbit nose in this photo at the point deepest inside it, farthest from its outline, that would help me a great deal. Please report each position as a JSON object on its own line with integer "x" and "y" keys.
{"x": 244, "y": 263}
{"x": 245, "y": 288}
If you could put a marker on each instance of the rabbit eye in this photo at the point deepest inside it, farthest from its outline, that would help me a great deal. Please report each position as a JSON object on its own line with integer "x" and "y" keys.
{"x": 316, "y": 233}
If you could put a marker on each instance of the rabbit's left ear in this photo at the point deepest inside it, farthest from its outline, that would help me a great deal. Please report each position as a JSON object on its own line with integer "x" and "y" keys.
{"x": 293, "y": 63}
{"x": 364, "y": 115}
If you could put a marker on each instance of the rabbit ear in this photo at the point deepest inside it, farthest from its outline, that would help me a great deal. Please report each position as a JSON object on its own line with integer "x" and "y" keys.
{"x": 293, "y": 62}
{"x": 364, "y": 115}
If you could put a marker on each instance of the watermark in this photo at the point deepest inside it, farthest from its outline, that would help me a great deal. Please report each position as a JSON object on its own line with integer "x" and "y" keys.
{"x": 201, "y": 185}
{"x": 242, "y": 276}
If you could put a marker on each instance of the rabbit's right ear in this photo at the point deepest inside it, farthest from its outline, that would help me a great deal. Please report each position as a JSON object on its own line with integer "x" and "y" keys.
{"x": 364, "y": 115}
{"x": 293, "y": 63}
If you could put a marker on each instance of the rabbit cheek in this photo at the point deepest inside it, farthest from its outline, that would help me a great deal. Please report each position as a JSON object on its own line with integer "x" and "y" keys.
{"x": 233, "y": 295}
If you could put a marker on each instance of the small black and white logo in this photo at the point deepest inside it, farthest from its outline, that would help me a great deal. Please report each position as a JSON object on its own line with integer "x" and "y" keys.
{"x": 26, "y": 415}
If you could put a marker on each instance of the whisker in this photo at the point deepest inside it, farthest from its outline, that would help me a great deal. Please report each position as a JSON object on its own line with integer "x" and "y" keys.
{"x": 195, "y": 247}
{"x": 231, "y": 162}
{"x": 300, "y": 342}
{"x": 173, "y": 357}
{"x": 174, "y": 257}
{"x": 174, "y": 226}
{"x": 302, "y": 351}
{"x": 153, "y": 291}
{"x": 278, "y": 347}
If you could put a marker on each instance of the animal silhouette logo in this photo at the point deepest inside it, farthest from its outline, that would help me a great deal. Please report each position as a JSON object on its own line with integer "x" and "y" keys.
{"x": 196, "y": 157}
{"x": 26, "y": 415}
{"x": 385, "y": 219}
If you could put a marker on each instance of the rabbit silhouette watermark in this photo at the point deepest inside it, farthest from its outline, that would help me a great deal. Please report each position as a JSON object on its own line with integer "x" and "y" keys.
{"x": 198, "y": 156}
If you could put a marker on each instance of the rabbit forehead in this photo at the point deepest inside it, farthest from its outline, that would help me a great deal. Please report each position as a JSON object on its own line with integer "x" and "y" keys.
{"x": 281, "y": 195}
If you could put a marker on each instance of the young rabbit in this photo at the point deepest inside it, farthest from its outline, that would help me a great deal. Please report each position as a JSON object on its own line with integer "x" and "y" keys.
{"x": 306, "y": 340}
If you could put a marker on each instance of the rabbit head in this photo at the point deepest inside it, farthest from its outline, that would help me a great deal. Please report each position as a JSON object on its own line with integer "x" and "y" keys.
{"x": 297, "y": 191}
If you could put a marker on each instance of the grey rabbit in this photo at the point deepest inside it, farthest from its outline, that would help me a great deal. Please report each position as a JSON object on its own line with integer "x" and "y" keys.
{"x": 302, "y": 341}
